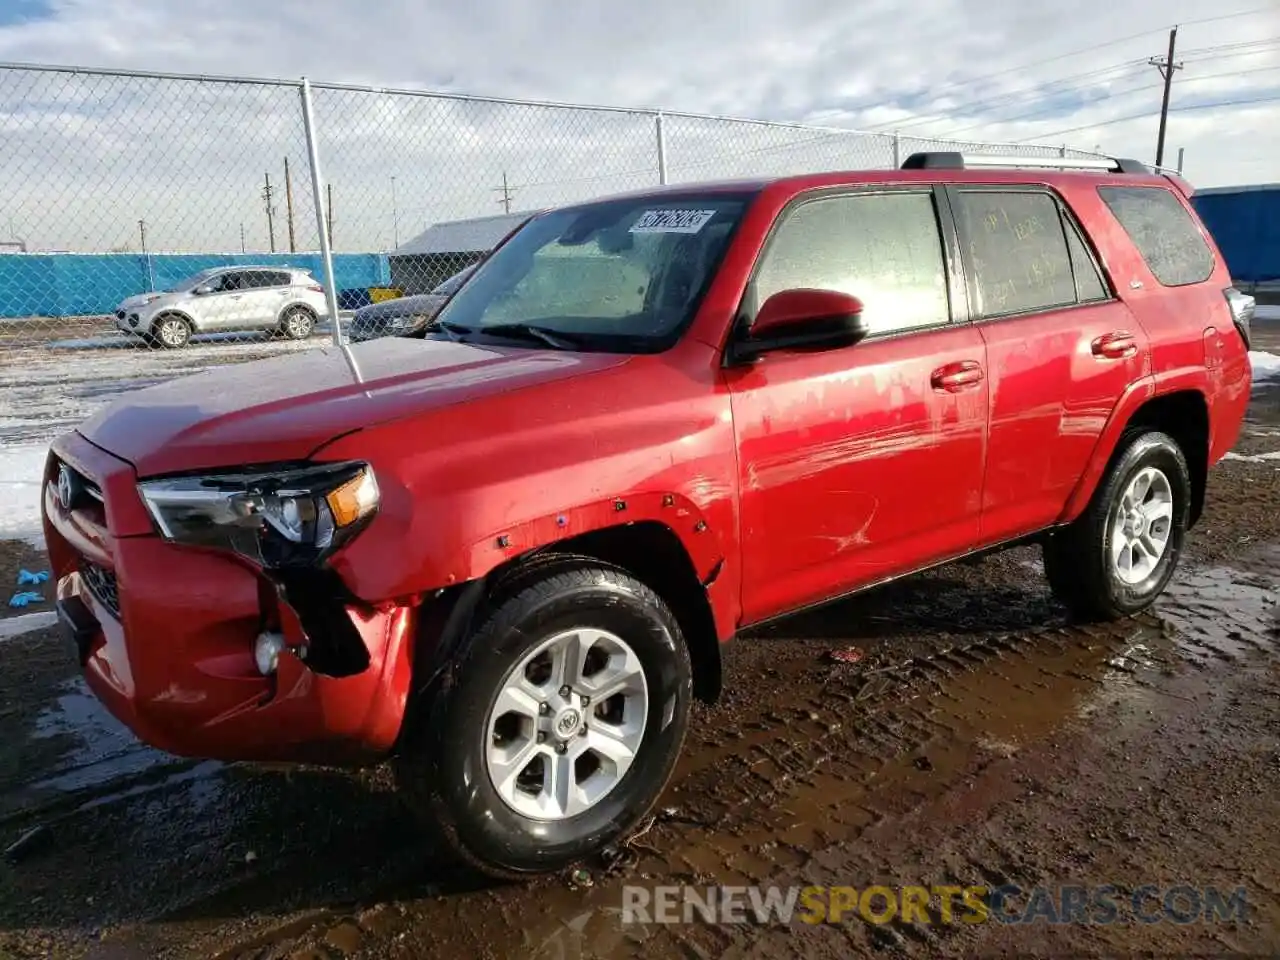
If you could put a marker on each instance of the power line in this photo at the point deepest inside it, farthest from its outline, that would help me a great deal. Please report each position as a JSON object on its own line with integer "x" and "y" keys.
{"x": 974, "y": 81}
{"x": 1043, "y": 112}
{"x": 1273, "y": 98}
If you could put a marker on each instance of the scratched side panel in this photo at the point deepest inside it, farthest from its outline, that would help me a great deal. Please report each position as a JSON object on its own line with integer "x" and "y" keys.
{"x": 853, "y": 468}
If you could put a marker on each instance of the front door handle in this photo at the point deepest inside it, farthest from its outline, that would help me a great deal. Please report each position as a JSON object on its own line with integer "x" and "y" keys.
{"x": 958, "y": 376}
{"x": 1115, "y": 345}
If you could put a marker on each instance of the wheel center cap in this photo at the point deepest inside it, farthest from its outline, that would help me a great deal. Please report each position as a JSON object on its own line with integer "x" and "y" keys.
{"x": 567, "y": 722}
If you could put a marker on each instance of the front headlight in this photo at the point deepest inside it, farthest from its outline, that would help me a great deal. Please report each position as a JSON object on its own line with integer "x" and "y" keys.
{"x": 284, "y": 516}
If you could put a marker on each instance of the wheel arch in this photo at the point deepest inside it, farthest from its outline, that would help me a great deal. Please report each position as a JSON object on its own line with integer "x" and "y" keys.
{"x": 647, "y": 550}
{"x": 1182, "y": 412}
{"x": 178, "y": 312}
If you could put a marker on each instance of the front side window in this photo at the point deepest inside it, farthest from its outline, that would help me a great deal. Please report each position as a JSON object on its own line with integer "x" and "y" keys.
{"x": 615, "y": 275}
{"x": 1017, "y": 251}
{"x": 229, "y": 282}
{"x": 1164, "y": 233}
{"x": 885, "y": 249}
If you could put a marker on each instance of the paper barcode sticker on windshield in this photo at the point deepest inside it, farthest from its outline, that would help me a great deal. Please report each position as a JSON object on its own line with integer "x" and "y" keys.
{"x": 672, "y": 221}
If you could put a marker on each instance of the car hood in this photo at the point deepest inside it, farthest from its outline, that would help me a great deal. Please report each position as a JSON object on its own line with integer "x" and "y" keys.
{"x": 418, "y": 304}
{"x": 285, "y": 408}
{"x": 142, "y": 299}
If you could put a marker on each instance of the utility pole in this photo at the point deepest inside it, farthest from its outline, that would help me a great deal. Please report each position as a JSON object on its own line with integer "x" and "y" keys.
{"x": 329, "y": 189}
{"x": 288, "y": 199}
{"x": 271, "y": 223}
{"x": 1182, "y": 153}
{"x": 242, "y": 250}
{"x": 142, "y": 235}
{"x": 1166, "y": 67}
{"x": 505, "y": 190}
{"x": 395, "y": 217}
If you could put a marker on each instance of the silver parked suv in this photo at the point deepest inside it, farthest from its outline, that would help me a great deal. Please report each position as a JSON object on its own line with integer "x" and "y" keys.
{"x": 286, "y": 300}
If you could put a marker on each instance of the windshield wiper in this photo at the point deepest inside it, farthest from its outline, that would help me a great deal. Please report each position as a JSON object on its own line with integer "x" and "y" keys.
{"x": 530, "y": 331}
{"x": 453, "y": 330}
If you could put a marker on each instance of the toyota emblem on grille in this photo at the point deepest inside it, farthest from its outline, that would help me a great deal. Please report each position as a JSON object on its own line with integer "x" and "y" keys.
{"x": 66, "y": 487}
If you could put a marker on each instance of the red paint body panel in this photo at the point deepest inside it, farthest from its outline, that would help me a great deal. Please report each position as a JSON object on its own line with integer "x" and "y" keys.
{"x": 803, "y": 476}
{"x": 839, "y": 453}
{"x": 1052, "y": 395}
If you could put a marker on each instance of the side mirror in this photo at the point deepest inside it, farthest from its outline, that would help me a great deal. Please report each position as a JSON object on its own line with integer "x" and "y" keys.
{"x": 203, "y": 290}
{"x": 804, "y": 318}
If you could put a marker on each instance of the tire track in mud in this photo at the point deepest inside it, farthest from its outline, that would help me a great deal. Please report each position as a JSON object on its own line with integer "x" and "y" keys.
{"x": 849, "y": 758}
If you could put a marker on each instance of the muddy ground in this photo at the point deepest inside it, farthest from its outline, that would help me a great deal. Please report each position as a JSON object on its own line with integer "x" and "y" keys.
{"x": 980, "y": 740}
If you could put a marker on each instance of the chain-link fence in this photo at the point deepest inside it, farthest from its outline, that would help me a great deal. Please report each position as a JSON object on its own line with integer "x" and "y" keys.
{"x": 145, "y": 210}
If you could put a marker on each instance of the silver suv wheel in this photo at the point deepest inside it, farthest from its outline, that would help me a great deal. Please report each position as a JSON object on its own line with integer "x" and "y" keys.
{"x": 567, "y": 724}
{"x": 1141, "y": 524}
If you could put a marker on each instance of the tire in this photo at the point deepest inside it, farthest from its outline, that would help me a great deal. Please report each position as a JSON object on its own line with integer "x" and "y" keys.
{"x": 297, "y": 323}
{"x": 1088, "y": 568}
{"x": 445, "y": 765}
{"x": 171, "y": 331}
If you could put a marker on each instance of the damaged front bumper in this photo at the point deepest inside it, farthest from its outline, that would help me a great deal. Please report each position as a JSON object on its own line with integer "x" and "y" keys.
{"x": 167, "y": 635}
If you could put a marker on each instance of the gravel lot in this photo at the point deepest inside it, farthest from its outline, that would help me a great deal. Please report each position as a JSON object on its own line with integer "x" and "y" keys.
{"x": 979, "y": 740}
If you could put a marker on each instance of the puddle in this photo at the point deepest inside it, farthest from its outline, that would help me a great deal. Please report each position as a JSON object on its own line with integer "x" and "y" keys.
{"x": 103, "y": 750}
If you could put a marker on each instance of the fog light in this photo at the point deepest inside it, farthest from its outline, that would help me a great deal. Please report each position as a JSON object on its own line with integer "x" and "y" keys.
{"x": 266, "y": 651}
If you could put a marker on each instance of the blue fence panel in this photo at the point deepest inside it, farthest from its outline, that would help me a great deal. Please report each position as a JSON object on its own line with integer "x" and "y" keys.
{"x": 1246, "y": 228}
{"x": 70, "y": 284}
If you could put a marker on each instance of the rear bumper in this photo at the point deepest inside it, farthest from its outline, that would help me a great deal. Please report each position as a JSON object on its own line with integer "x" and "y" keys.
{"x": 165, "y": 636}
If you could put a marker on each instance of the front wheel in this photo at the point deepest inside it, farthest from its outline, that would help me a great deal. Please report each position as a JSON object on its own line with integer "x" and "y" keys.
{"x": 297, "y": 323}
{"x": 559, "y": 725}
{"x": 171, "y": 331}
{"x": 1120, "y": 554}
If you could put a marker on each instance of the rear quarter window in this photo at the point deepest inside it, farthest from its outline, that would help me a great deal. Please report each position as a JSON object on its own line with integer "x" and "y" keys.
{"x": 1164, "y": 233}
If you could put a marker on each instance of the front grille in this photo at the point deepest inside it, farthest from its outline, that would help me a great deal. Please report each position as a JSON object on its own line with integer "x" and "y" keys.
{"x": 102, "y": 584}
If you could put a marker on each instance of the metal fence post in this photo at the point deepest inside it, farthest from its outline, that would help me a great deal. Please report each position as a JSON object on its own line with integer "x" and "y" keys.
{"x": 897, "y": 150}
{"x": 322, "y": 225}
{"x": 662, "y": 147}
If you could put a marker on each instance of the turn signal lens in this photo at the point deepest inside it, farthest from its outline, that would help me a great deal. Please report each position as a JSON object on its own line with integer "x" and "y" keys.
{"x": 354, "y": 500}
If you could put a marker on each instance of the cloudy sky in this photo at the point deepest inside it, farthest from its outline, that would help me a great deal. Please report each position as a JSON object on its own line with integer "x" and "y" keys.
{"x": 85, "y": 157}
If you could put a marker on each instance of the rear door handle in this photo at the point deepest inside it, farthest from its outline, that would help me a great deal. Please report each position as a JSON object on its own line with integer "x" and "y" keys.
{"x": 958, "y": 376}
{"x": 1116, "y": 345}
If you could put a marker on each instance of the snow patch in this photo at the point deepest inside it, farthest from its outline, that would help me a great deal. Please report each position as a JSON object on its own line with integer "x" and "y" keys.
{"x": 1252, "y": 457}
{"x": 11, "y": 627}
{"x": 21, "y": 470}
{"x": 1265, "y": 365}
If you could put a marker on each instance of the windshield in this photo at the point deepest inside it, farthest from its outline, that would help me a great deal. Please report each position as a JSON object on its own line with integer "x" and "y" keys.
{"x": 190, "y": 283}
{"x": 616, "y": 275}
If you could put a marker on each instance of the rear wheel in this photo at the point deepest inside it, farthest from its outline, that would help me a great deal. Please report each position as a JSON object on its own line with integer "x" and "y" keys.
{"x": 1119, "y": 555}
{"x": 297, "y": 323}
{"x": 171, "y": 331}
{"x": 558, "y": 727}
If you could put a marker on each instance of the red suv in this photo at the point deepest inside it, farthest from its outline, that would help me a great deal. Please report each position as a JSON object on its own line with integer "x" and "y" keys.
{"x": 506, "y": 554}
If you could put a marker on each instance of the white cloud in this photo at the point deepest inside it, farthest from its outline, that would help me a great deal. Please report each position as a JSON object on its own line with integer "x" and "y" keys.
{"x": 84, "y": 157}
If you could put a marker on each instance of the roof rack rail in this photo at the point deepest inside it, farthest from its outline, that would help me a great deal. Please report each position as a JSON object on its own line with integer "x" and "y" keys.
{"x": 953, "y": 160}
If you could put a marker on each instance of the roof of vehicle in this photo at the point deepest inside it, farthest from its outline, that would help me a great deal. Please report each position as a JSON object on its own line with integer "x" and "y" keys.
{"x": 1035, "y": 171}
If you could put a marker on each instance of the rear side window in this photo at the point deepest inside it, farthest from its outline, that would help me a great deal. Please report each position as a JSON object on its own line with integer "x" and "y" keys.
{"x": 1018, "y": 251}
{"x": 1164, "y": 233}
{"x": 1090, "y": 287}
{"x": 883, "y": 248}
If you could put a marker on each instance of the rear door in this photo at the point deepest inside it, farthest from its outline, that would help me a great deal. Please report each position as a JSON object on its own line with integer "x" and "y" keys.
{"x": 1061, "y": 348}
{"x": 861, "y": 462}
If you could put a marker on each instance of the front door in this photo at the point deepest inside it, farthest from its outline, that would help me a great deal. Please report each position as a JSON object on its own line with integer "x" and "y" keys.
{"x": 225, "y": 308}
{"x": 862, "y": 462}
